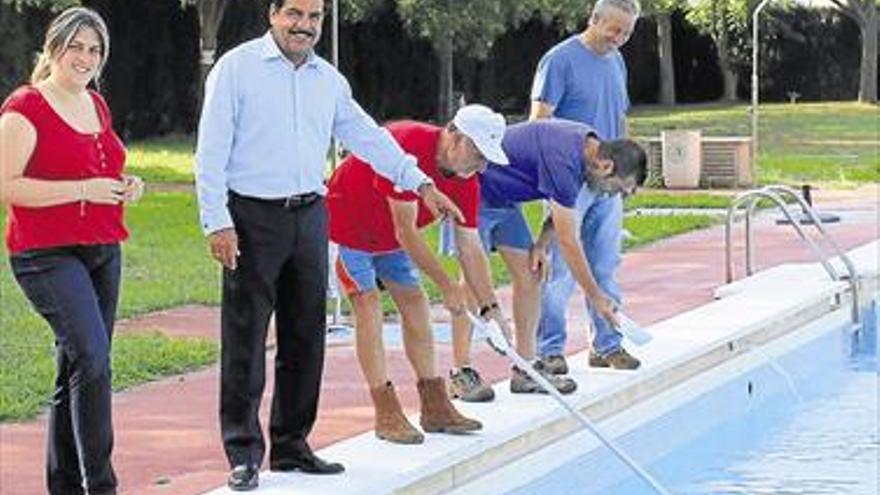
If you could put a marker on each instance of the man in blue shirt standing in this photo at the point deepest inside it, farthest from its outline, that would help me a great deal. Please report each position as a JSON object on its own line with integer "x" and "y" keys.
{"x": 553, "y": 160}
{"x": 271, "y": 106}
{"x": 584, "y": 79}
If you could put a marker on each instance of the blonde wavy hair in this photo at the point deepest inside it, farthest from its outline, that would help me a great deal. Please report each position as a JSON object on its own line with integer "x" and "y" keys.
{"x": 61, "y": 33}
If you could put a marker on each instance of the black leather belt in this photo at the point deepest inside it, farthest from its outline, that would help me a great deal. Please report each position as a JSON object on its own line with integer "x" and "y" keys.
{"x": 291, "y": 202}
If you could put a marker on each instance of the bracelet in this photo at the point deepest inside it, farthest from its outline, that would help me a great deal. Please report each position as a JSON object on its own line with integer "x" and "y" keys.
{"x": 484, "y": 310}
{"x": 81, "y": 192}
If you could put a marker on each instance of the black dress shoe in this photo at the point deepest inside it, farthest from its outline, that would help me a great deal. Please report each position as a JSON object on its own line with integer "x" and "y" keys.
{"x": 244, "y": 477}
{"x": 307, "y": 462}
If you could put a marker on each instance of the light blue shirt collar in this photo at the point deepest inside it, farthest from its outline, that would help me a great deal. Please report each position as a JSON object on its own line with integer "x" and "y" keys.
{"x": 270, "y": 50}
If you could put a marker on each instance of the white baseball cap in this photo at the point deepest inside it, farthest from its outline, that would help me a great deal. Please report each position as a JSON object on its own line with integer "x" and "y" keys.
{"x": 485, "y": 128}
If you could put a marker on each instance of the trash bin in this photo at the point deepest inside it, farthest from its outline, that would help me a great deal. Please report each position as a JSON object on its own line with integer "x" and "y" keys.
{"x": 682, "y": 158}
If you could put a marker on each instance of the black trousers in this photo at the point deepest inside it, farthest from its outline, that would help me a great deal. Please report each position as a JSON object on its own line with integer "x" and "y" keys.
{"x": 76, "y": 289}
{"x": 282, "y": 268}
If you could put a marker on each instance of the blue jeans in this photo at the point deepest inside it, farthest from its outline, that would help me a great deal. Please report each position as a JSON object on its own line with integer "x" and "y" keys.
{"x": 601, "y": 226}
{"x": 76, "y": 289}
{"x": 504, "y": 226}
{"x": 497, "y": 226}
{"x": 359, "y": 271}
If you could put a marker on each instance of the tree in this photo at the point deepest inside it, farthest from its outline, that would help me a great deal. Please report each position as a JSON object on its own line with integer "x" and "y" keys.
{"x": 727, "y": 22}
{"x": 864, "y": 12}
{"x": 661, "y": 11}
{"x": 51, "y": 5}
{"x": 467, "y": 27}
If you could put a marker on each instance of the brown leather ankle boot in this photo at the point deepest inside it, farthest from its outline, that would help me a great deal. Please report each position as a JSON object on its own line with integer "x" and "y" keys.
{"x": 391, "y": 423}
{"x": 438, "y": 414}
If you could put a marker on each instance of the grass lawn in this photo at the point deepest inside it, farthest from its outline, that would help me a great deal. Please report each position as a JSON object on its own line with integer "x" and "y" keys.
{"x": 660, "y": 199}
{"x": 835, "y": 144}
{"x": 165, "y": 264}
{"x": 164, "y": 159}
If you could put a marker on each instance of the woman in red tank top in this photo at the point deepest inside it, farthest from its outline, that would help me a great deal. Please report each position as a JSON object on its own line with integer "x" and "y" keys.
{"x": 61, "y": 181}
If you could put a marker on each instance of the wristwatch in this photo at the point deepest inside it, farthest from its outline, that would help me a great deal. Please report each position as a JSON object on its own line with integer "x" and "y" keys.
{"x": 488, "y": 308}
{"x": 426, "y": 182}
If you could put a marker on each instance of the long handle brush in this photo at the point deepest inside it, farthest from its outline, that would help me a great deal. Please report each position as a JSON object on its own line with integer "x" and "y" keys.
{"x": 495, "y": 338}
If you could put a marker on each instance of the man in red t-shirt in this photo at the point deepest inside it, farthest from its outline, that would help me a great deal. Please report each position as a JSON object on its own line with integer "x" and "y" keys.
{"x": 377, "y": 228}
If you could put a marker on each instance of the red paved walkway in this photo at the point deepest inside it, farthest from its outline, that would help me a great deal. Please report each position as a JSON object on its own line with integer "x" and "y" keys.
{"x": 167, "y": 434}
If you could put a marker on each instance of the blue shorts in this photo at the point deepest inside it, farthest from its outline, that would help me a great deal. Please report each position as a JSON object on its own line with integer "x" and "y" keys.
{"x": 359, "y": 271}
{"x": 504, "y": 226}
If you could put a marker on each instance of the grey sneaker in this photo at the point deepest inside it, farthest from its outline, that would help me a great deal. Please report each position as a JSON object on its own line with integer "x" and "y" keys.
{"x": 522, "y": 383}
{"x": 619, "y": 360}
{"x": 467, "y": 385}
{"x": 555, "y": 364}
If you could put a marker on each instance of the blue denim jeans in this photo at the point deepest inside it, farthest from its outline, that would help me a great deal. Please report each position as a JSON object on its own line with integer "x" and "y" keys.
{"x": 504, "y": 226}
{"x": 498, "y": 226}
{"x": 601, "y": 227}
{"x": 76, "y": 289}
{"x": 362, "y": 271}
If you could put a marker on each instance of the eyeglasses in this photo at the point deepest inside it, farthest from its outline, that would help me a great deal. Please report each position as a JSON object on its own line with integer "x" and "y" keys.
{"x": 614, "y": 185}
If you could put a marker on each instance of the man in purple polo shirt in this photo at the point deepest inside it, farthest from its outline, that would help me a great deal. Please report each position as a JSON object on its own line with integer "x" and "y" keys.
{"x": 550, "y": 160}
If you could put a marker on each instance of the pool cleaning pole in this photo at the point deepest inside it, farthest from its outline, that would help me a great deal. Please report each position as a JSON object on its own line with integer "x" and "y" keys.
{"x": 496, "y": 339}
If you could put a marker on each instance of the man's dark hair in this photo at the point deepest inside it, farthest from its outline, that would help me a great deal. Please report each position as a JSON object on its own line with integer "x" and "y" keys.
{"x": 277, "y": 3}
{"x": 629, "y": 158}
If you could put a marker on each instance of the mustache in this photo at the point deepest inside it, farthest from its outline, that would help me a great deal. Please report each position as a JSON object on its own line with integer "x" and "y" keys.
{"x": 307, "y": 32}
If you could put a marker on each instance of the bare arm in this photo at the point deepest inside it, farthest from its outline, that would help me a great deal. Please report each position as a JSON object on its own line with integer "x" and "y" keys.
{"x": 540, "y": 110}
{"x": 566, "y": 226}
{"x": 537, "y": 256}
{"x": 404, "y": 214}
{"x": 474, "y": 264}
{"x": 18, "y": 138}
{"x": 478, "y": 275}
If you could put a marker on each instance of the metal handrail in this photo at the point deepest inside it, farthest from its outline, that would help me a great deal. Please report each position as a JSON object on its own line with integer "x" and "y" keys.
{"x": 772, "y": 193}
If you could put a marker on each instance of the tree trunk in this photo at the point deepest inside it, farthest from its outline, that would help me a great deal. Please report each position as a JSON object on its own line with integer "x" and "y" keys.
{"x": 667, "y": 68}
{"x": 868, "y": 70}
{"x": 727, "y": 71}
{"x": 445, "y": 103}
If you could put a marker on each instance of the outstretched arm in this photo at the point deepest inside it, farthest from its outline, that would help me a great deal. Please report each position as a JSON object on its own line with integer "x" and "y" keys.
{"x": 478, "y": 275}
{"x": 566, "y": 226}
{"x": 404, "y": 214}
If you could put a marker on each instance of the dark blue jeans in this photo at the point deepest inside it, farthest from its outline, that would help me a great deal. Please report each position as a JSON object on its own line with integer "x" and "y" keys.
{"x": 76, "y": 288}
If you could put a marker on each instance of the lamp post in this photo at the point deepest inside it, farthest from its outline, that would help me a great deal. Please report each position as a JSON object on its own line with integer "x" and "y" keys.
{"x": 335, "y": 33}
{"x": 336, "y": 325}
{"x": 755, "y": 79}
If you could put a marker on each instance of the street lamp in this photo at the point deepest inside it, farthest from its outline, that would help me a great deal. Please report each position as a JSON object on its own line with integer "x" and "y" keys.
{"x": 755, "y": 79}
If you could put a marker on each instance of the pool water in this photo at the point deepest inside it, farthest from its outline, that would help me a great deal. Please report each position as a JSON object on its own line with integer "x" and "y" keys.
{"x": 755, "y": 435}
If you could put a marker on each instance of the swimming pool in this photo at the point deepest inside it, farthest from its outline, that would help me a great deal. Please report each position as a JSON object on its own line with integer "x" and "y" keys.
{"x": 814, "y": 431}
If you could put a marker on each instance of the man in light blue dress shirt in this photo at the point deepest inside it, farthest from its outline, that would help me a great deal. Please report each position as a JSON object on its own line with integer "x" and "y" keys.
{"x": 271, "y": 107}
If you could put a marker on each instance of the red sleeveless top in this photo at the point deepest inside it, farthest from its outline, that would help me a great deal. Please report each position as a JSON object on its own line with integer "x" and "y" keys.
{"x": 63, "y": 153}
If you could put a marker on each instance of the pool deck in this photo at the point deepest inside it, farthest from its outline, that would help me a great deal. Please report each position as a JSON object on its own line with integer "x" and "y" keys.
{"x": 167, "y": 438}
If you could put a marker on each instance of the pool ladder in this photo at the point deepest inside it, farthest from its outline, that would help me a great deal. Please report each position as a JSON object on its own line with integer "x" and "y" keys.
{"x": 775, "y": 193}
